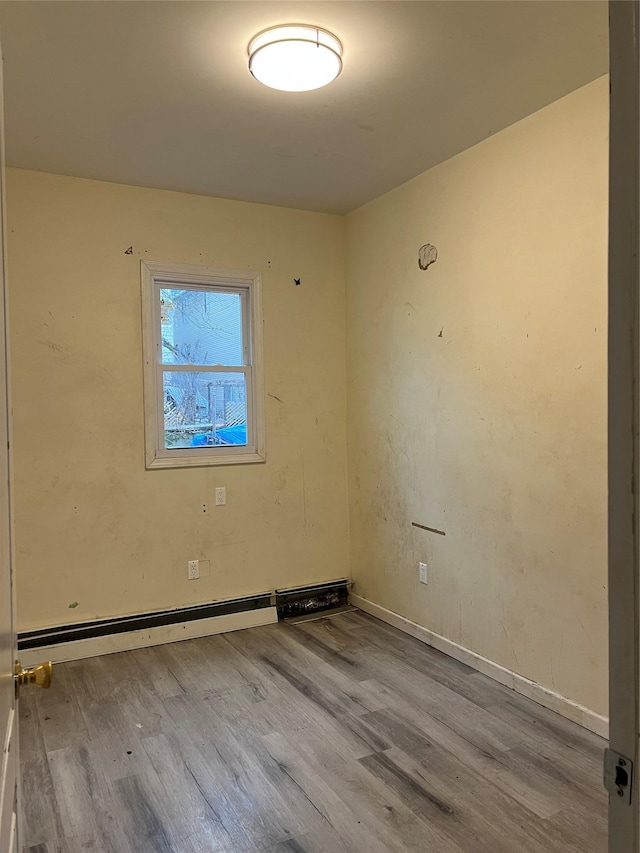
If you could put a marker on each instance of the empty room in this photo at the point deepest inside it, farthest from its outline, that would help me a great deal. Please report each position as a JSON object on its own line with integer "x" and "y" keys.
{"x": 307, "y": 358}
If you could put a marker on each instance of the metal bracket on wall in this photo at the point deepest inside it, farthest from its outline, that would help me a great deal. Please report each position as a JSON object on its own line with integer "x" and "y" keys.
{"x": 618, "y": 775}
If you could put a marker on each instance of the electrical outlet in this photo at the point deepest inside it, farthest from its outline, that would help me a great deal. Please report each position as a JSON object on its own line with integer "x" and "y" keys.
{"x": 193, "y": 570}
{"x": 422, "y": 567}
{"x": 205, "y": 508}
{"x": 221, "y": 495}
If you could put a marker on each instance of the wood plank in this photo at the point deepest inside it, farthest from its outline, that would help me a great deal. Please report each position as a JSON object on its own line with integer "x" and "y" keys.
{"x": 40, "y": 813}
{"x": 326, "y": 841}
{"x": 61, "y": 720}
{"x": 332, "y": 736}
{"x": 362, "y": 812}
{"x": 87, "y": 807}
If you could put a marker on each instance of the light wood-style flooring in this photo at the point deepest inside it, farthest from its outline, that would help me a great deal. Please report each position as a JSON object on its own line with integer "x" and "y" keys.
{"x": 324, "y": 737}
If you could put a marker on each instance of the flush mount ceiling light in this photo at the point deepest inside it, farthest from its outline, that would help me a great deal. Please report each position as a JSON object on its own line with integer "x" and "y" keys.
{"x": 295, "y": 58}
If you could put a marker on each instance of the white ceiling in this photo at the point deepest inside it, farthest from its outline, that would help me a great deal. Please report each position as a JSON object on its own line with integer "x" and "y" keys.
{"x": 158, "y": 93}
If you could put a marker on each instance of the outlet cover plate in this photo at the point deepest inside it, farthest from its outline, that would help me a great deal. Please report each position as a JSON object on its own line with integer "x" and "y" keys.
{"x": 422, "y": 568}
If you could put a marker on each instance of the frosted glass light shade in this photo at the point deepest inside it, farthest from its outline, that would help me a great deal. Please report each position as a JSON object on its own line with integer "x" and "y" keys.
{"x": 295, "y": 58}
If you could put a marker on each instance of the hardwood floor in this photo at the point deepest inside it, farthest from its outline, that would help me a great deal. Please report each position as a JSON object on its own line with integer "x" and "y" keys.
{"x": 324, "y": 737}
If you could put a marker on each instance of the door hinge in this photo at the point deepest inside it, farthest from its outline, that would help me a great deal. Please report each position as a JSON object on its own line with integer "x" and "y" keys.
{"x": 618, "y": 775}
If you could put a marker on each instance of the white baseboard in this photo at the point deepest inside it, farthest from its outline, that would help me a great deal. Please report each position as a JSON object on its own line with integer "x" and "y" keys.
{"x": 585, "y": 717}
{"x": 127, "y": 640}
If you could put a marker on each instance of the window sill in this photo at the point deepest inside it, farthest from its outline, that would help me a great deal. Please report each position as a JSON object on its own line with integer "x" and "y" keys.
{"x": 205, "y": 461}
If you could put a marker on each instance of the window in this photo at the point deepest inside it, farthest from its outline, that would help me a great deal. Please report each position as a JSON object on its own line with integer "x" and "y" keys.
{"x": 202, "y": 341}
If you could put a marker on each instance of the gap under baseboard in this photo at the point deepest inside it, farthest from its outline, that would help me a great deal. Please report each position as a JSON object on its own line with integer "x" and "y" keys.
{"x": 323, "y": 614}
{"x": 105, "y": 636}
{"x": 124, "y": 641}
{"x": 61, "y": 634}
{"x": 90, "y": 639}
{"x": 544, "y": 696}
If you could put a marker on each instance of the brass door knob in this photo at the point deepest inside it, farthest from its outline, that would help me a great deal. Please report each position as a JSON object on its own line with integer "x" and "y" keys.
{"x": 39, "y": 675}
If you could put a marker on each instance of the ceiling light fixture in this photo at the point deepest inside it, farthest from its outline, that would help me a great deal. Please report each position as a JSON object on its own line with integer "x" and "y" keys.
{"x": 295, "y": 58}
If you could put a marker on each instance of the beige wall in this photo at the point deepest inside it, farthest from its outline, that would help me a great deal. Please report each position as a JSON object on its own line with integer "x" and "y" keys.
{"x": 477, "y": 397}
{"x": 92, "y": 525}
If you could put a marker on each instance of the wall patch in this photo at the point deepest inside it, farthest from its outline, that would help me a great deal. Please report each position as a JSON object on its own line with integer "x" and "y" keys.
{"x": 427, "y": 255}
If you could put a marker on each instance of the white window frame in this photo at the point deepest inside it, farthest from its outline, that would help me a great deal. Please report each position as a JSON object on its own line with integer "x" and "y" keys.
{"x": 248, "y": 284}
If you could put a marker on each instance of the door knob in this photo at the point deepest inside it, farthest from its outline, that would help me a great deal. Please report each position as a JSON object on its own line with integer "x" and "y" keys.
{"x": 39, "y": 675}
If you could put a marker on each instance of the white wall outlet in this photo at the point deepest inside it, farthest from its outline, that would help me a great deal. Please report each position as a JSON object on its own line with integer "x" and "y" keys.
{"x": 193, "y": 570}
{"x": 422, "y": 568}
{"x": 221, "y": 495}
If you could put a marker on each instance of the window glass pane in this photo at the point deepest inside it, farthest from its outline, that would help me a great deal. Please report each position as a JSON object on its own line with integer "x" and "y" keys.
{"x": 203, "y": 409}
{"x": 201, "y": 327}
